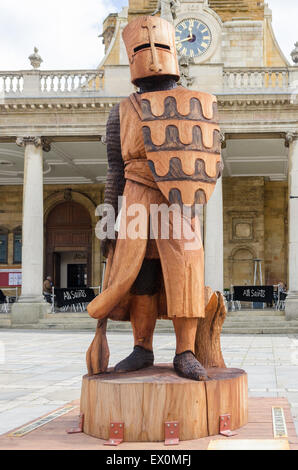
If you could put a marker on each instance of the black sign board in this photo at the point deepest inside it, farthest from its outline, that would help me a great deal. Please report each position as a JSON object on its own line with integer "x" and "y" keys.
{"x": 253, "y": 293}
{"x": 64, "y": 297}
{"x": 2, "y": 297}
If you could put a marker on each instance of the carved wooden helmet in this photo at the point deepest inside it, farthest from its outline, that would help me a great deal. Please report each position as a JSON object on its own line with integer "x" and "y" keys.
{"x": 150, "y": 45}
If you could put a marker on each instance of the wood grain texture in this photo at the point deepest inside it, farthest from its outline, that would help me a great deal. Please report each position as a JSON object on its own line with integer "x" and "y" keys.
{"x": 226, "y": 396}
{"x": 98, "y": 353}
{"x": 145, "y": 39}
{"x": 207, "y": 345}
{"x": 145, "y": 399}
{"x": 182, "y": 142}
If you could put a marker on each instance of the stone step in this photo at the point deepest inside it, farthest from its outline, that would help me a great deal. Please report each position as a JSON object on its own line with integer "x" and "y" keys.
{"x": 260, "y": 323}
{"x": 162, "y": 326}
{"x": 55, "y": 326}
{"x": 255, "y": 319}
{"x": 121, "y": 328}
{"x": 58, "y": 320}
{"x": 264, "y": 330}
{"x": 243, "y": 322}
{"x": 255, "y": 313}
{"x": 72, "y": 315}
{"x": 260, "y": 326}
{"x": 5, "y": 321}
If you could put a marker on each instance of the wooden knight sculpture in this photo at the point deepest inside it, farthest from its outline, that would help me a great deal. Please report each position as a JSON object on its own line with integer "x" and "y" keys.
{"x": 163, "y": 145}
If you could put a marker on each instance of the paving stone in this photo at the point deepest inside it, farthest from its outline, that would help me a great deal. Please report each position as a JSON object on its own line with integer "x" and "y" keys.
{"x": 6, "y": 395}
{"x": 43, "y": 369}
{"x": 20, "y": 415}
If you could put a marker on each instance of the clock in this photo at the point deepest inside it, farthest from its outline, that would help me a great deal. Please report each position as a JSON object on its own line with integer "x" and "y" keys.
{"x": 193, "y": 37}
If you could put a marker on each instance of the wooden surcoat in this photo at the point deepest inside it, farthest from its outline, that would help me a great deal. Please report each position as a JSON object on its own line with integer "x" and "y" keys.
{"x": 170, "y": 146}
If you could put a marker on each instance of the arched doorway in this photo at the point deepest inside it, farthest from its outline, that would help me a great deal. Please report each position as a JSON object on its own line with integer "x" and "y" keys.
{"x": 69, "y": 245}
{"x": 242, "y": 267}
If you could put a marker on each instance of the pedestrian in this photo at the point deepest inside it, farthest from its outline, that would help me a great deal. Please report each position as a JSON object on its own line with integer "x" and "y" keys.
{"x": 47, "y": 289}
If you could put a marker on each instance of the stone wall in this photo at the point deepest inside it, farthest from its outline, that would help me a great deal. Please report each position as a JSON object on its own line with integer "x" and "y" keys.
{"x": 10, "y": 216}
{"x": 140, "y": 7}
{"x": 276, "y": 231}
{"x": 255, "y": 226}
{"x": 242, "y": 44}
{"x": 227, "y": 10}
{"x": 11, "y": 213}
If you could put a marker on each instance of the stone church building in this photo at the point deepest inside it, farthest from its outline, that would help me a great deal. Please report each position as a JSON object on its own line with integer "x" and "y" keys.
{"x": 53, "y": 160}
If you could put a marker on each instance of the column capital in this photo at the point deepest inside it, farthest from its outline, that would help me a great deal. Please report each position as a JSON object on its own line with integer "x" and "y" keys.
{"x": 290, "y": 137}
{"x": 103, "y": 139}
{"x": 34, "y": 140}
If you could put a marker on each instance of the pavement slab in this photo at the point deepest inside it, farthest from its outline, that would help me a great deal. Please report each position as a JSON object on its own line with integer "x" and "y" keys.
{"x": 41, "y": 369}
{"x": 257, "y": 433}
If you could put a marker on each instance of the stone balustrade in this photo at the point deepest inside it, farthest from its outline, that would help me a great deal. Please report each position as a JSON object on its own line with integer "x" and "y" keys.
{"x": 11, "y": 82}
{"x": 60, "y": 83}
{"x": 71, "y": 81}
{"x": 83, "y": 83}
{"x": 266, "y": 80}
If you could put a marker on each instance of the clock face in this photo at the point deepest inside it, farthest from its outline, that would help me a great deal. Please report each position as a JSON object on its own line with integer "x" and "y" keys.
{"x": 193, "y": 37}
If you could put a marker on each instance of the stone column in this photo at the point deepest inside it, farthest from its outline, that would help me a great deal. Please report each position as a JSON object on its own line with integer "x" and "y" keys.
{"x": 292, "y": 299}
{"x": 31, "y": 305}
{"x": 213, "y": 240}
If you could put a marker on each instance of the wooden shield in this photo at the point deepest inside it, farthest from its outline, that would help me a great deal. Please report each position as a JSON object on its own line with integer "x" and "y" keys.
{"x": 182, "y": 143}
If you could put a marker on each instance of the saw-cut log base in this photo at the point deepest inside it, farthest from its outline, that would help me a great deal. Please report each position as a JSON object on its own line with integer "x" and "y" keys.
{"x": 143, "y": 400}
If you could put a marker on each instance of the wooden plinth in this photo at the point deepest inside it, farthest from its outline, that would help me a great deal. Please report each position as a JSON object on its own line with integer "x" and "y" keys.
{"x": 145, "y": 399}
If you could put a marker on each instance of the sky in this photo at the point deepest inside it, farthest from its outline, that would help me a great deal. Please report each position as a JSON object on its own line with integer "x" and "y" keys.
{"x": 66, "y": 31}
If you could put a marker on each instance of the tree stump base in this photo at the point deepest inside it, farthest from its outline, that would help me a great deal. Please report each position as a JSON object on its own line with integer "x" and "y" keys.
{"x": 144, "y": 400}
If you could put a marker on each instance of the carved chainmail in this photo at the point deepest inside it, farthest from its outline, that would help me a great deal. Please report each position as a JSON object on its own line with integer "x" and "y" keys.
{"x": 115, "y": 177}
{"x": 156, "y": 84}
{"x": 186, "y": 365}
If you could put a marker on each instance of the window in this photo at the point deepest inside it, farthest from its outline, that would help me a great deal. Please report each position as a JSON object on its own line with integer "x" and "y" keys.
{"x": 17, "y": 246}
{"x": 3, "y": 246}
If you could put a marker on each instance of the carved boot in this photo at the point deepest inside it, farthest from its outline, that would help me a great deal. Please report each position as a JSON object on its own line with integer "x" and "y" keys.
{"x": 143, "y": 314}
{"x": 186, "y": 365}
{"x": 185, "y": 362}
{"x": 140, "y": 358}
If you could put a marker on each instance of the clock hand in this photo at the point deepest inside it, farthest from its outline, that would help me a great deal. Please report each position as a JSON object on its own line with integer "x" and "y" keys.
{"x": 186, "y": 39}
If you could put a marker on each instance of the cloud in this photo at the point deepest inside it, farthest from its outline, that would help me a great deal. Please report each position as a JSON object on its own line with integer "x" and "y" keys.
{"x": 284, "y": 20}
{"x": 66, "y": 31}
